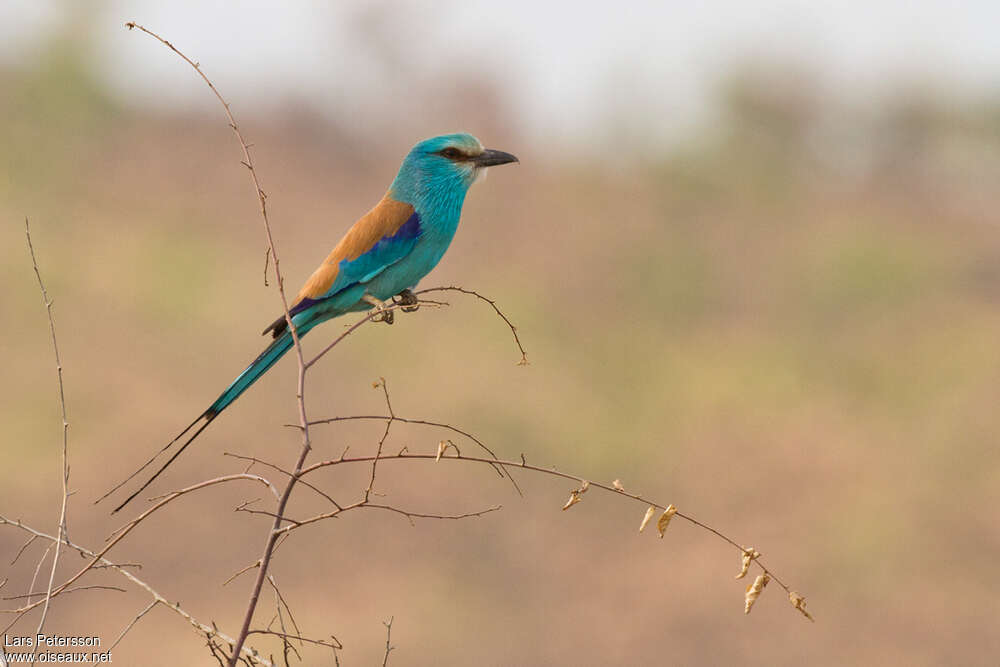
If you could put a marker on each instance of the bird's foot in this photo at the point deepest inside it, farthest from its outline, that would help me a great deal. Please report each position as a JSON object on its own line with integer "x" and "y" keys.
{"x": 381, "y": 314}
{"x": 407, "y": 301}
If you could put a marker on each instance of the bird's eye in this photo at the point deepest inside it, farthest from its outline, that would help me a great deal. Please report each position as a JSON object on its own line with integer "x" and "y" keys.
{"x": 451, "y": 153}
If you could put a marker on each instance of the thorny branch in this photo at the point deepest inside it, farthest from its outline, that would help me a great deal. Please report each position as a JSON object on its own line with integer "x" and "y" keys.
{"x": 65, "y": 433}
{"x": 523, "y": 465}
{"x": 388, "y": 640}
{"x": 302, "y": 365}
{"x": 238, "y": 652}
{"x": 120, "y": 533}
{"x": 510, "y": 325}
{"x": 300, "y": 391}
{"x": 158, "y": 598}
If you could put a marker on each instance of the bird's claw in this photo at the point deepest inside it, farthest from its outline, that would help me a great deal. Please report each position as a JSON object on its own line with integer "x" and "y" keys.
{"x": 407, "y": 301}
{"x": 379, "y": 310}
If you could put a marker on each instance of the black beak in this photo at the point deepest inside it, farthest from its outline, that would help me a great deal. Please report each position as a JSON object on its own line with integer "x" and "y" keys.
{"x": 491, "y": 158}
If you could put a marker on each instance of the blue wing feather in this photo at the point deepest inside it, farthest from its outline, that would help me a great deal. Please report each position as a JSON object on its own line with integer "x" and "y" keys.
{"x": 351, "y": 273}
{"x": 387, "y": 251}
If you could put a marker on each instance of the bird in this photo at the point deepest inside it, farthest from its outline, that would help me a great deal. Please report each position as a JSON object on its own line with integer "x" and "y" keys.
{"x": 383, "y": 255}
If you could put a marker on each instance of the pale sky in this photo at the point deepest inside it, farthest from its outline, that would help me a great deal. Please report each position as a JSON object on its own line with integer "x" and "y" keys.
{"x": 559, "y": 59}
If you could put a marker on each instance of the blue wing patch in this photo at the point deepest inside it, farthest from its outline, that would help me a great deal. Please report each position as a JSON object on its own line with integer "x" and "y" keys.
{"x": 386, "y": 252}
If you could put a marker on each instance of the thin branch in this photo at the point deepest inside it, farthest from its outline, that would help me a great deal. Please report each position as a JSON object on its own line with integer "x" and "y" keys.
{"x": 133, "y": 622}
{"x": 408, "y": 514}
{"x": 65, "y": 432}
{"x": 38, "y": 568}
{"x": 522, "y": 464}
{"x": 423, "y": 422}
{"x": 513, "y": 329}
{"x": 243, "y": 508}
{"x": 242, "y": 571}
{"x": 156, "y": 595}
{"x": 279, "y": 603}
{"x": 319, "y": 642}
{"x": 253, "y": 565}
{"x": 21, "y": 550}
{"x": 371, "y": 314}
{"x": 368, "y": 317}
{"x": 420, "y": 515}
{"x": 120, "y": 533}
{"x": 388, "y": 639}
{"x": 68, "y": 590}
{"x": 300, "y": 393}
{"x": 385, "y": 434}
{"x": 254, "y": 460}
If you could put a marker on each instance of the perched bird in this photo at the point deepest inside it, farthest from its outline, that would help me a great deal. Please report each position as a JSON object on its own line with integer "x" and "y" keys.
{"x": 384, "y": 254}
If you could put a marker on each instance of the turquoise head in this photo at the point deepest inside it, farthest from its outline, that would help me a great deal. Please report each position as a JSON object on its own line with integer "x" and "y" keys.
{"x": 443, "y": 168}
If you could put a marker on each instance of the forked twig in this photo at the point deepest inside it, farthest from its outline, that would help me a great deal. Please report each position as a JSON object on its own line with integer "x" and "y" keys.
{"x": 156, "y": 595}
{"x": 300, "y": 391}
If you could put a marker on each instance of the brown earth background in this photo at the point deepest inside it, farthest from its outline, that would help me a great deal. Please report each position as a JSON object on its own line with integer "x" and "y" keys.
{"x": 786, "y": 324}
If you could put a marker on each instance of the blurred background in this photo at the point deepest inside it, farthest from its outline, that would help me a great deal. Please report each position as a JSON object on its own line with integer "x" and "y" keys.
{"x": 752, "y": 250}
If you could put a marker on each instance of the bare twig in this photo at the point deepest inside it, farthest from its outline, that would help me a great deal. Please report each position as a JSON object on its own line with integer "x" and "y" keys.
{"x": 254, "y": 460}
{"x": 385, "y": 434}
{"x": 395, "y": 306}
{"x": 121, "y": 569}
{"x": 332, "y": 643}
{"x": 538, "y": 469}
{"x": 513, "y": 329}
{"x": 23, "y": 547}
{"x": 422, "y": 515}
{"x": 406, "y": 513}
{"x": 38, "y": 568}
{"x": 68, "y": 590}
{"x": 423, "y": 422}
{"x": 300, "y": 392}
{"x": 65, "y": 431}
{"x": 388, "y": 640}
{"x": 132, "y": 623}
{"x": 279, "y": 603}
{"x": 120, "y": 533}
{"x": 368, "y": 317}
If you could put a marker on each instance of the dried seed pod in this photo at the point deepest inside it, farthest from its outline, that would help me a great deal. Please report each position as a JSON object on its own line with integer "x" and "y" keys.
{"x": 749, "y": 555}
{"x": 649, "y": 515}
{"x": 574, "y": 498}
{"x": 664, "y": 520}
{"x": 754, "y": 590}
{"x": 799, "y": 603}
{"x": 443, "y": 447}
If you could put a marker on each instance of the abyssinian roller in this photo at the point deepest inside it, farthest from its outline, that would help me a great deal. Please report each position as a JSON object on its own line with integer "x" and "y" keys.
{"x": 383, "y": 255}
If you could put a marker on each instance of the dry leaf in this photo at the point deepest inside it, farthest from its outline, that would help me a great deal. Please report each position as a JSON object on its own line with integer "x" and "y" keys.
{"x": 574, "y": 498}
{"x": 754, "y": 590}
{"x": 618, "y": 485}
{"x": 749, "y": 555}
{"x": 649, "y": 515}
{"x": 664, "y": 520}
{"x": 799, "y": 603}
{"x": 443, "y": 447}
